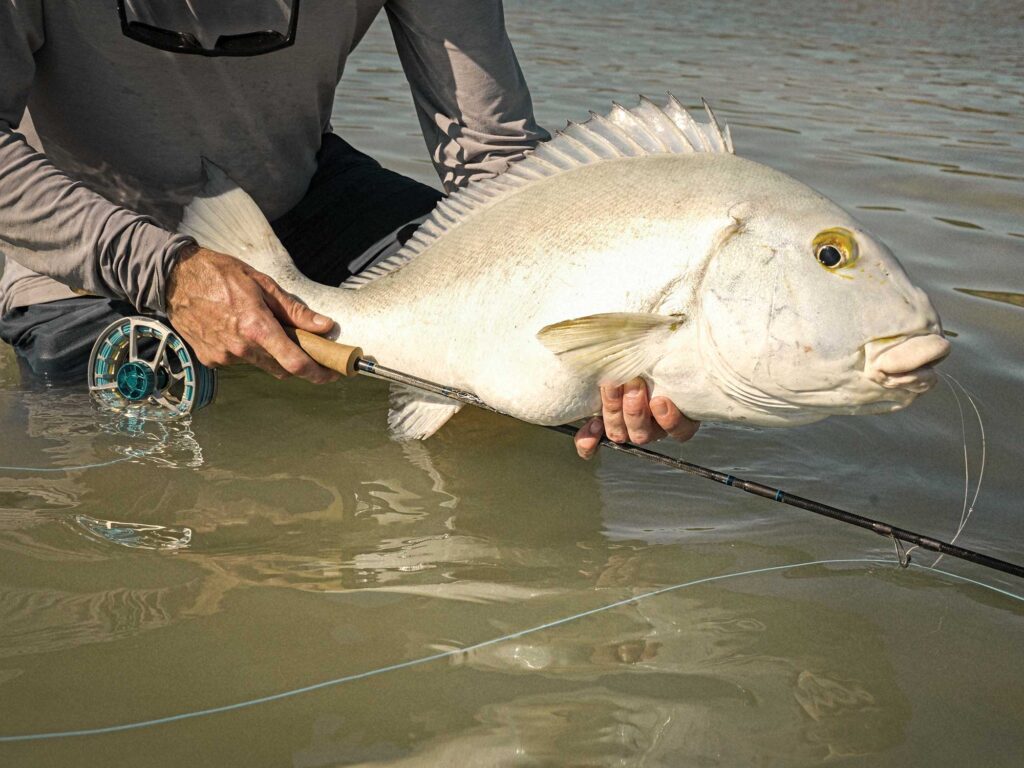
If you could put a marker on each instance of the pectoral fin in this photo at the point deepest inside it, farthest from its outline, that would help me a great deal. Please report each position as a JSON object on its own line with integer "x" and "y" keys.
{"x": 416, "y": 415}
{"x": 619, "y": 345}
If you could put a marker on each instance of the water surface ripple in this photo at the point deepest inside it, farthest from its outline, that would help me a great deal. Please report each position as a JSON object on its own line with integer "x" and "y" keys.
{"x": 281, "y": 537}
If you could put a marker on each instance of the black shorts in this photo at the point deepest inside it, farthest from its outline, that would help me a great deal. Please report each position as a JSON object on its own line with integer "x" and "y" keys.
{"x": 353, "y": 214}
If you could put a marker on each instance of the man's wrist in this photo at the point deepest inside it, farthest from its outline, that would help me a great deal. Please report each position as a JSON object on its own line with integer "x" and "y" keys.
{"x": 185, "y": 251}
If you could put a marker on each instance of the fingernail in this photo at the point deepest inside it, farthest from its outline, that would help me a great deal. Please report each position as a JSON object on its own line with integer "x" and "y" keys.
{"x": 596, "y": 427}
{"x": 322, "y": 320}
{"x": 660, "y": 407}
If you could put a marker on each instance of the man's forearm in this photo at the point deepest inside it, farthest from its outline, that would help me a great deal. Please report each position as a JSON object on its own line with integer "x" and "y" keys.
{"x": 471, "y": 97}
{"x": 54, "y": 225}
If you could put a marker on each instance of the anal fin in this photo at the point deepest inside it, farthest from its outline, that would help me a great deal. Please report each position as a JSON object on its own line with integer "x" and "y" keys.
{"x": 416, "y": 415}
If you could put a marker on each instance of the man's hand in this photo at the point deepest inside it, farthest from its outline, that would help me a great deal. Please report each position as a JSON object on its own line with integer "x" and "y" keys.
{"x": 230, "y": 313}
{"x": 627, "y": 415}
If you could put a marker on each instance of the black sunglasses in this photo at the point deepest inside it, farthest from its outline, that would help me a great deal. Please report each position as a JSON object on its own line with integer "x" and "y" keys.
{"x": 246, "y": 44}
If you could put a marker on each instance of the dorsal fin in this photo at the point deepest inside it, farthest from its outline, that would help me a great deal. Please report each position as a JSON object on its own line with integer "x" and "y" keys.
{"x": 647, "y": 129}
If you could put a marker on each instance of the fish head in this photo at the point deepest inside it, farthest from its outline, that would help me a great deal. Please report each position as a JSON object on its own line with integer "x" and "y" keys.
{"x": 804, "y": 313}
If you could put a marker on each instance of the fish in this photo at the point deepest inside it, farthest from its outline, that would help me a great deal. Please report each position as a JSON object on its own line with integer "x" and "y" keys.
{"x": 634, "y": 244}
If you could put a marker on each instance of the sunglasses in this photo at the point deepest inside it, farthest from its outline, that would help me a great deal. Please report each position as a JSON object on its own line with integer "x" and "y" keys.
{"x": 245, "y": 44}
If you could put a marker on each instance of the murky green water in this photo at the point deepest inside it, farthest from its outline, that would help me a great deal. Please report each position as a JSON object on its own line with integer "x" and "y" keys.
{"x": 321, "y": 549}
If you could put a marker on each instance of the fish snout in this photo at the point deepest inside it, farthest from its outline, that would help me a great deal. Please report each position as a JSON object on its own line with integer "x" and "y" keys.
{"x": 905, "y": 362}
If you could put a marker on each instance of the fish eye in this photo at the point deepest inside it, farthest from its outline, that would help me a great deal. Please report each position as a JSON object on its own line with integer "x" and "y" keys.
{"x": 829, "y": 255}
{"x": 835, "y": 248}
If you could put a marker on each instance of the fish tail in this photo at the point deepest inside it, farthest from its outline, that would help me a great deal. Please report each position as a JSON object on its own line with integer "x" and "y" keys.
{"x": 224, "y": 218}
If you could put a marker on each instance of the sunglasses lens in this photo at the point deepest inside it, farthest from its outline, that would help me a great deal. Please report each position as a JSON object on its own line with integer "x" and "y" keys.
{"x": 251, "y": 43}
{"x": 211, "y": 27}
{"x": 164, "y": 39}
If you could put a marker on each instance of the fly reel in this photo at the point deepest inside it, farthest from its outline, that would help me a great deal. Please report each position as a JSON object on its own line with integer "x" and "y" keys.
{"x": 144, "y": 367}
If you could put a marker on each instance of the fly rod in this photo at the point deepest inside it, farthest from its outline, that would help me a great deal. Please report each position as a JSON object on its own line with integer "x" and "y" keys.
{"x": 349, "y": 361}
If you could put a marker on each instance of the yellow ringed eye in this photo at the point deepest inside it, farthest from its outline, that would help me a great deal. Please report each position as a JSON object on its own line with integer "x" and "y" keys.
{"x": 835, "y": 248}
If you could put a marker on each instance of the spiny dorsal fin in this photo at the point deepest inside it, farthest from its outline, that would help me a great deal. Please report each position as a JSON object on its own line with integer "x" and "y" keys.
{"x": 647, "y": 129}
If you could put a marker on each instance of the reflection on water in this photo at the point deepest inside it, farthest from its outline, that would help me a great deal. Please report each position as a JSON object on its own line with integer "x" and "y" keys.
{"x": 1006, "y": 297}
{"x": 600, "y": 726}
{"x": 135, "y": 535}
{"x": 958, "y": 223}
{"x": 61, "y": 430}
{"x": 280, "y": 539}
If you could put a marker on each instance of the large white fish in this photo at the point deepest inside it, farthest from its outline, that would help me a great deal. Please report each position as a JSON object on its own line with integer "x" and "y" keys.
{"x": 635, "y": 244}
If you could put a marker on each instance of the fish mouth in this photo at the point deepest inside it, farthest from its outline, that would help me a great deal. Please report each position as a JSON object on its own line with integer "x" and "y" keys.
{"x": 905, "y": 361}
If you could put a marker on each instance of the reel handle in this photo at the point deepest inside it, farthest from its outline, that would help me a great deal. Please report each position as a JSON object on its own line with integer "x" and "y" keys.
{"x": 330, "y": 354}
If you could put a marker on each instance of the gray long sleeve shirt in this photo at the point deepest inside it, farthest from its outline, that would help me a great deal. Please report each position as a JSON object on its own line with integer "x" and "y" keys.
{"x": 101, "y": 136}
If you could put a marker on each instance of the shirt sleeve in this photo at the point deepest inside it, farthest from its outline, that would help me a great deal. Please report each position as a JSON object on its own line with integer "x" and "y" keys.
{"x": 50, "y": 222}
{"x": 471, "y": 97}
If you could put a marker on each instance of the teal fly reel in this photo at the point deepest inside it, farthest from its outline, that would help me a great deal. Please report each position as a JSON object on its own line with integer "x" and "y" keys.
{"x": 144, "y": 367}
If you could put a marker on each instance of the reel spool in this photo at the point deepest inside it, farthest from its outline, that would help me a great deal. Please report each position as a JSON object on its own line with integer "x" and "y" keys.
{"x": 144, "y": 367}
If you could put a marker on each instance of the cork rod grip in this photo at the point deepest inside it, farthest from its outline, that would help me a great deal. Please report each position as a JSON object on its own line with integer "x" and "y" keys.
{"x": 330, "y": 354}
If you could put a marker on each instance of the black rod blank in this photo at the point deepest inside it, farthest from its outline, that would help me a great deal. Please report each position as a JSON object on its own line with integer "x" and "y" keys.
{"x": 777, "y": 494}
{"x": 370, "y": 368}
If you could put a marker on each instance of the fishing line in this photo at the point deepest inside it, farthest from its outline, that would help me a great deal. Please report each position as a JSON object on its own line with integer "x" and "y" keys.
{"x": 965, "y": 513}
{"x": 352, "y": 362}
{"x": 967, "y": 509}
{"x": 133, "y": 453}
{"x": 348, "y": 360}
{"x": 475, "y": 647}
{"x": 880, "y": 527}
{"x": 963, "y": 438}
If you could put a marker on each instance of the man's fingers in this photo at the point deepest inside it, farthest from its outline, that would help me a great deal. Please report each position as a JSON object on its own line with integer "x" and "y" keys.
{"x": 231, "y": 313}
{"x": 672, "y": 420}
{"x": 629, "y": 414}
{"x": 611, "y": 411}
{"x": 290, "y": 310}
{"x": 265, "y": 362}
{"x": 589, "y": 438}
{"x": 241, "y": 352}
{"x": 213, "y": 358}
{"x": 290, "y": 357}
{"x": 636, "y": 412}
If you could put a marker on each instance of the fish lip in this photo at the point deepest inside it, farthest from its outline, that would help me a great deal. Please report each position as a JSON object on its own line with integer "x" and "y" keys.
{"x": 918, "y": 379}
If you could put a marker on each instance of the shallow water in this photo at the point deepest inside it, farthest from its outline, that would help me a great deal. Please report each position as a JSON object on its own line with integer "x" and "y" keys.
{"x": 281, "y": 539}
